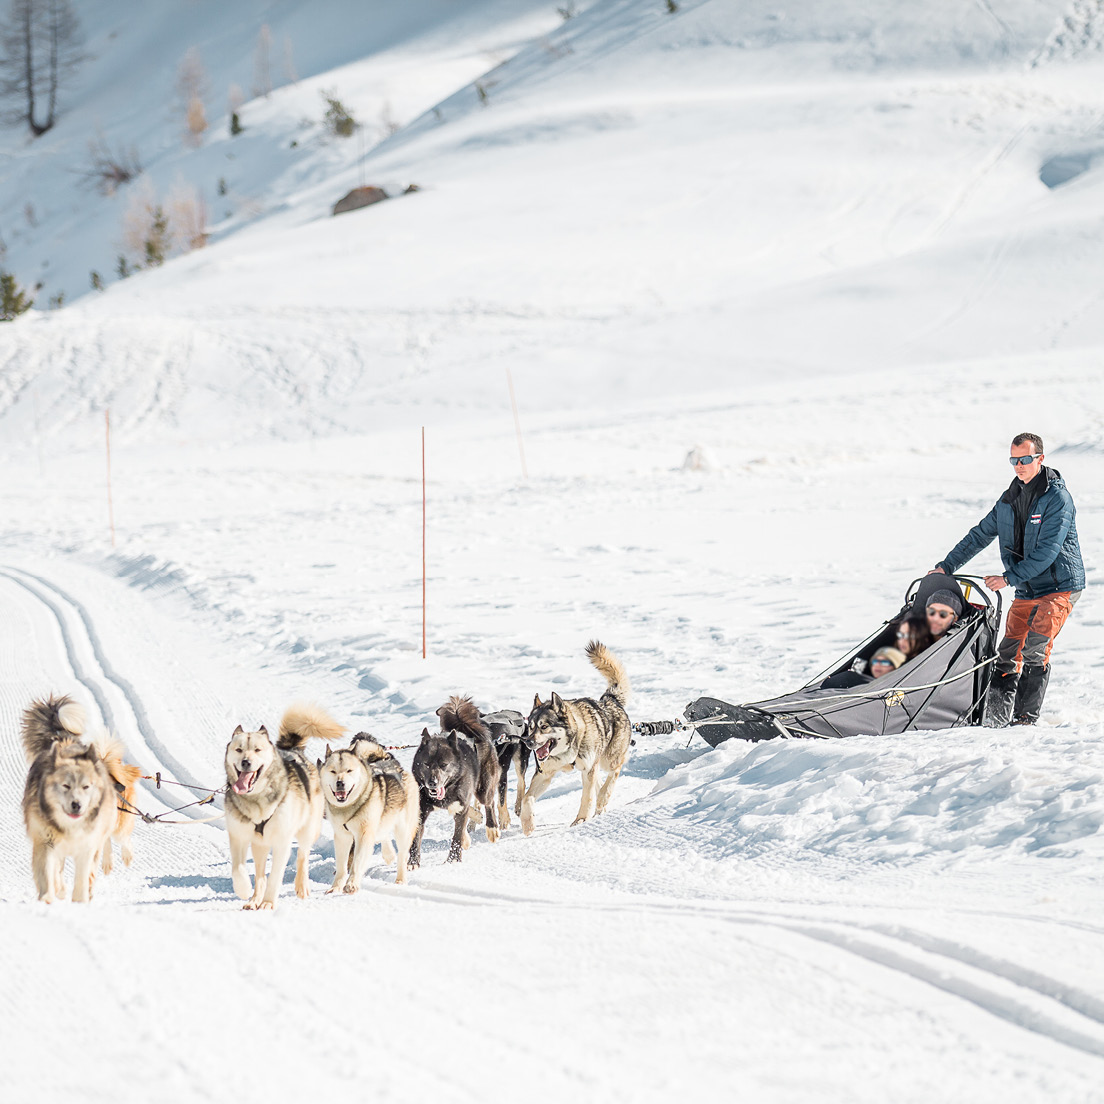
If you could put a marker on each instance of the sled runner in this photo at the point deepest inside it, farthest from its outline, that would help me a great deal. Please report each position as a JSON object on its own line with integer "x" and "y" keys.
{"x": 942, "y": 687}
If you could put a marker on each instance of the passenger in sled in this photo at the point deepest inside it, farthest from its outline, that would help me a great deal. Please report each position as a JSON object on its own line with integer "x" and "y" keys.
{"x": 929, "y": 619}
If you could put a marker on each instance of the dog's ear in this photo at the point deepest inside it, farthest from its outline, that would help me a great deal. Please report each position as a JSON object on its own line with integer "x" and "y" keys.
{"x": 320, "y": 764}
{"x": 454, "y": 740}
{"x": 237, "y": 732}
{"x": 263, "y": 731}
{"x": 425, "y": 735}
{"x": 557, "y": 702}
{"x": 327, "y": 755}
{"x": 537, "y": 703}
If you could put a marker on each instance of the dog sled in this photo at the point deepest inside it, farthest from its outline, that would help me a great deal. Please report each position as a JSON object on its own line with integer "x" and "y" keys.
{"x": 944, "y": 686}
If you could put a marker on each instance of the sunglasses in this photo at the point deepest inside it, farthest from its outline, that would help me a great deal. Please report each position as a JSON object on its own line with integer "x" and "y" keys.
{"x": 933, "y": 612}
{"x": 1015, "y": 461}
{"x": 881, "y": 663}
{"x": 904, "y": 635}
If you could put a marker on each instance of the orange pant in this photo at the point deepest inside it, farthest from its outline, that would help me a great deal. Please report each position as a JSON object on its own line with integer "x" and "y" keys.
{"x": 1030, "y": 629}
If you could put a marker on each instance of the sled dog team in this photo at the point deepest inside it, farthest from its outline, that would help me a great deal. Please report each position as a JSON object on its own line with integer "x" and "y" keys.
{"x": 79, "y": 795}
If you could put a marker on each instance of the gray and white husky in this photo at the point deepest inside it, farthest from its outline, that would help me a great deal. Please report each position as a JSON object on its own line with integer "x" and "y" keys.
{"x": 69, "y": 799}
{"x": 273, "y": 796}
{"x": 368, "y": 797}
{"x": 581, "y": 735}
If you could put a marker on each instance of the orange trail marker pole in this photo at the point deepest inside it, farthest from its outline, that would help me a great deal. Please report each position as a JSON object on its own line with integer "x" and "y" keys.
{"x": 423, "y": 546}
{"x": 517, "y": 423}
{"x": 110, "y": 506}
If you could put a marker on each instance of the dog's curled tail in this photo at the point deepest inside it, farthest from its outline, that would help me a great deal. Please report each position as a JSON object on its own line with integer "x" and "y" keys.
{"x": 111, "y": 750}
{"x": 301, "y": 723}
{"x": 48, "y": 721}
{"x": 610, "y": 666}
{"x": 461, "y": 715}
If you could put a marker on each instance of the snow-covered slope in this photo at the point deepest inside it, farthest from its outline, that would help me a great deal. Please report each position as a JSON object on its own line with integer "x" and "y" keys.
{"x": 836, "y": 250}
{"x": 677, "y": 190}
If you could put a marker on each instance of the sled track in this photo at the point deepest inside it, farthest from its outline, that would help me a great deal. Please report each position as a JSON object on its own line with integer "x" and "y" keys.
{"x": 120, "y": 707}
{"x": 1019, "y": 995}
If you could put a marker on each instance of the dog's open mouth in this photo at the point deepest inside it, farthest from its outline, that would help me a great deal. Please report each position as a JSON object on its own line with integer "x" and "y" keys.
{"x": 340, "y": 793}
{"x": 544, "y": 750}
{"x": 437, "y": 791}
{"x": 246, "y": 781}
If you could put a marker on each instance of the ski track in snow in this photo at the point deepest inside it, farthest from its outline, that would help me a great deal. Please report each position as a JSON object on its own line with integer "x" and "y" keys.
{"x": 996, "y": 988}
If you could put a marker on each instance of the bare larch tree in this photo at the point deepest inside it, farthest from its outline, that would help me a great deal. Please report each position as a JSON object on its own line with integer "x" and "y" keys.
{"x": 40, "y": 45}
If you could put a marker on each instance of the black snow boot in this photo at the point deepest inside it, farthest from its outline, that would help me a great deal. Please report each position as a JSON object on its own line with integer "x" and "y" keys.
{"x": 1002, "y": 695}
{"x": 1029, "y": 695}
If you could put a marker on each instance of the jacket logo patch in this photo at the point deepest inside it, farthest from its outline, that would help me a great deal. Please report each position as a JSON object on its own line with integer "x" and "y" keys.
{"x": 1036, "y": 519}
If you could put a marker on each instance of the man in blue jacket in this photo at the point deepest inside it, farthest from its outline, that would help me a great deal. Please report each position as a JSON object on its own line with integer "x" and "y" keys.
{"x": 1034, "y": 521}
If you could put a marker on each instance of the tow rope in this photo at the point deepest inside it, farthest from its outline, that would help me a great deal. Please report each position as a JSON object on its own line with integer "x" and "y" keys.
{"x": 129, "y": 806}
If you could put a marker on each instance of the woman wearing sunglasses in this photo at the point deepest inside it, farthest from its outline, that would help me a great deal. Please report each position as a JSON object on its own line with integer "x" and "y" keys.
{"x": 1034, "y": 522}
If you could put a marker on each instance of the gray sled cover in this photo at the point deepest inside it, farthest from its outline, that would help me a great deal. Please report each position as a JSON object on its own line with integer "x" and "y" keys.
{"x": 944, "y": 686}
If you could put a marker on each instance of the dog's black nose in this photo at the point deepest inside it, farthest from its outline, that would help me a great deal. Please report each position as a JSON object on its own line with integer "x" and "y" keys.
{"x": 74, "y": 806}
{"x": 245, "y": 765}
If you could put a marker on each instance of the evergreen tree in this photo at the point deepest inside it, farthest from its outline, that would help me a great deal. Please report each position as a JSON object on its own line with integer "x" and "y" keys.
{"x": 13, "y": 299}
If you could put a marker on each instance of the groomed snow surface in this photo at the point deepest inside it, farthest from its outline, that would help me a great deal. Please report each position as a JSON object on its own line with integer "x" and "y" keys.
{"x": 840, "y": 257}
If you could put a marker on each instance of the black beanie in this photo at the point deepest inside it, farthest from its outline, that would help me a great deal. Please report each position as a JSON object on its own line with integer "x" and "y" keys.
{"x": 947, "y": 598}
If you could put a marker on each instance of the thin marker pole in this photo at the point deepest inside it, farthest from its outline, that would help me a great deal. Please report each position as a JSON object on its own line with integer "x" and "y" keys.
{"x": 423, "y": 546}
{"x": 517, "y": 423}
{"x": 110, "y": 506}
{"x": 37, "y": 433}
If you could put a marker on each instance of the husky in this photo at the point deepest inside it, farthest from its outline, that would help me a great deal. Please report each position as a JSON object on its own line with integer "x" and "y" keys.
{"x": 505, "y": 729}
{"x": 368, "y": 797}
{"x": 272, "y": 797}
{"x": 455, "y": 769}
{"x": 580, "y": 735}
{"x": 69, "y": 803}
{"x": 125, "y": 776}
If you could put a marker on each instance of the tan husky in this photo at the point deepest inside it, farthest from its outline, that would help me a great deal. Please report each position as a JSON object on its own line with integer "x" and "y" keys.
{"x": 69, "y": 800}
{"x": 273, "y": 797}
{"x": 368, "y": 797}
{"x": 581, "y": 735}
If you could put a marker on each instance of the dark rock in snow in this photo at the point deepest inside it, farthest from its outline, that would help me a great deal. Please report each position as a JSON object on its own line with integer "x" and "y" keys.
{"x": 359, "y": 197}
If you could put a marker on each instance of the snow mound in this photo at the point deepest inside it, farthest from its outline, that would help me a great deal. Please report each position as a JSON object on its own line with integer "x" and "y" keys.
{"x": 895, "y": 799}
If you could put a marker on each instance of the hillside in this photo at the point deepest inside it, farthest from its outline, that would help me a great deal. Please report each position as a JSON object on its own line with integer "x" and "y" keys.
{"x": 772, "y": 284}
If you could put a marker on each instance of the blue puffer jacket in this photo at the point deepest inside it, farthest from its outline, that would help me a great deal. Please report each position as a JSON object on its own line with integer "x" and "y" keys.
{"x": 1052, "y": 557}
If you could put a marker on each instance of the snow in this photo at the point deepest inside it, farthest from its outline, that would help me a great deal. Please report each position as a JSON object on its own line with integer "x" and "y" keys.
{"x": 774, "y": 287}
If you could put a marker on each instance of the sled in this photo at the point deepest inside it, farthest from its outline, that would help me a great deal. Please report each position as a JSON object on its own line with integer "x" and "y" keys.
{"x": 943, "y": 686}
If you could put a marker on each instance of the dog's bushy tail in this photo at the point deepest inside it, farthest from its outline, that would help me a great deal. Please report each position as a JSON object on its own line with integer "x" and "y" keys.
{"x": 48, "y": 721}
{"x": 610, "y": 667}
{"x": 111, "y": 750}
{"x": 369, "y": 750}
{"x": 461, "y": 715}
{"x": 301, "y": 723}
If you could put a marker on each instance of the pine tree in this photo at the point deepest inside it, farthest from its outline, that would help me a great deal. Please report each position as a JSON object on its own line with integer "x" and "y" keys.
{"x": 13, "y": 299}
{"x": 157, "y": 243}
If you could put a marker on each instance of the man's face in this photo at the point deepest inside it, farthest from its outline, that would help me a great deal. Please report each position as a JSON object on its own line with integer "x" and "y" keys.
{"x": 940, "y": 618}
{"x": 1025, "y": 473}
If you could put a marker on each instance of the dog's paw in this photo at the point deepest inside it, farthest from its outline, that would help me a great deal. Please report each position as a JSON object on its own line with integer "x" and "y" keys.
{"x": 303, "y": 893}
{"x": 578, "y": 820}
{"x": 492, "y": 835}
{"x": 527, "y": 824}
{"x": 350, "y": 887}
{"x": 267, "y": 906}
{"x": 454, "y": 856}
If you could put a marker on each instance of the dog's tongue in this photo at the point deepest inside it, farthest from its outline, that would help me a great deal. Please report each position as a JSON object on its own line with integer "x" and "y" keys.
{"x": 245, "y": 782}
{"x": 439, "y": 793}
{"x": 544, "y": 749}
